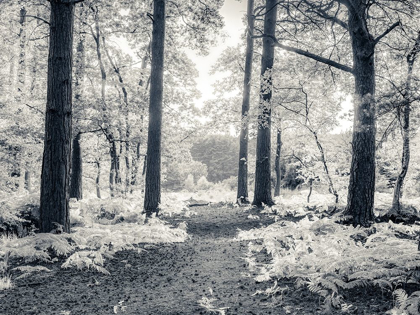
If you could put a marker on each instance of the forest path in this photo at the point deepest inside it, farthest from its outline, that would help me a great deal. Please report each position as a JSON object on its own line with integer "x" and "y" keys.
{"x": 165, "y": 279}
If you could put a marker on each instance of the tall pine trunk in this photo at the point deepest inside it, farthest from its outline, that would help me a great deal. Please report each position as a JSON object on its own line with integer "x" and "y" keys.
{"x": 262, "y": 190}
{"x": 242, "y": 193}
{"x": 361, "y": 189}
{"x": 55, "y": 176}
{"x": 277, "y": 165}
{"x": 153, "y": 176}
{"x": 76, "y": 186}
{"x": 405, "y": 128}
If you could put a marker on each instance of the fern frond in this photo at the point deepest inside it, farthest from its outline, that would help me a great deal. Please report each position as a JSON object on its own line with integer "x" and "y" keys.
{"x": 31, "y": 269}
{"x": 360, "y": 283}
{"x": 377, "y": 273}
{"x": 382, "y": 283}
{"x": 400, "y": 298}
{"x": 327, "y": 284}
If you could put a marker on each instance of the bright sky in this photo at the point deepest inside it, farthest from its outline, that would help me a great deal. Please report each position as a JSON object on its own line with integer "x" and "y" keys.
{"x": 232, "y": 11}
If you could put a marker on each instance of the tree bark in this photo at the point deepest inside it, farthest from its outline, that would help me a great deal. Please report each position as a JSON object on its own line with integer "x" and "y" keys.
{"x": 262, "y": 190}
{"x": 76, "y": 186}
{"x": 28, "y": 181}
{"x": 98, "y": 179}
{"x": 277, "y": 164}
{"x": 135, "y": 167}
{"x": 20, "y": 96}
{"x": 21, "y": 75}
{"x": 242, "y": 193}
{"x": 113, "y": 171}
{"x": 55, "y": 175}
{"x": 153, "y": 171}
{"x": 405, "y": 129}
{"x": 361, "y": 189}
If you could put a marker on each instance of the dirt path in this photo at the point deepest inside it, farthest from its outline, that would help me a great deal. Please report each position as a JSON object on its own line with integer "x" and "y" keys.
{"x": 164, "y": 279}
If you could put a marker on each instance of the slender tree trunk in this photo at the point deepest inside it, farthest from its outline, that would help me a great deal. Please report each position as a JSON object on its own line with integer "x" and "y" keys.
{"x": 153, "y": 172}
{"x": 361, "y": 189}
{"x": 143, "y": 89}
{"x": 127, "y": 157}
{"x": 55, "y": 177}
{"x": 262, "y": 190}
{"x": 405, "y": 128}
{"x": 76, "y": 187}
{"x": 28, "y": 181}
{"x": 331, "y": 187}
{"x": 277, "y": 163}
{"x": 21, "y": 75}
{"x": 242, "y": 193}
{"x": 308, "y": 198}
{"x": 98, "y": 179}
{"x": 20, "y": 95}
{"x": 126, "y": 111}
{"x": 135, "y": 167}
{"x": 80, "y": 63}
{"x": 113, "y": 172}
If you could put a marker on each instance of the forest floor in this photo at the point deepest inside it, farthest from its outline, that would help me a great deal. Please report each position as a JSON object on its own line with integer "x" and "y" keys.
{"x": 207, "y": 274}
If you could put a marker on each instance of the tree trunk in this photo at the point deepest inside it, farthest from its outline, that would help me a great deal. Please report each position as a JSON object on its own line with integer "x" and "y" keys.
{"x": 98, "y": 180}
{"x": 308, "y": 198}
{"x": 55, "y": 176}
{"x": 135, "y": 168}
{"x": 242, "y": 193}
{"x": 21, "y": 75}
{"x": 262, "y": 190}
{"x": 113, "y": 172}
{"x": 80, "y": 63}
{"x": 20, "y": 96}
{"x": 153, "y": 175}
{"x": 143, "y": 89}
{"x": 76, "y": 187}
{"x": 331, "y": 187}
{"x": 361, "y": 189}
{"x": 28, "y": 181}
{"x": 277, "y": 163}
{"x": 405, "y": 126}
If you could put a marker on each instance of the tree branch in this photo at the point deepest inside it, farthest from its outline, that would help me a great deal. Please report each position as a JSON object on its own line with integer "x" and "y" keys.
{"x": 35, "y": 109}
{"x": 38, "y": 18}
{"x": 308, "y": 54}
{"x": 377, "y": 39}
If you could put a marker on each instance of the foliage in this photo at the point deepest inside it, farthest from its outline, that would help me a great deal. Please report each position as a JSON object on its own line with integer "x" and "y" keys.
{"x": 404, "y": 303}
{"x": 219, "y": 153}
{"x": 329, "y": 258}
{"x": 104, "y": 228}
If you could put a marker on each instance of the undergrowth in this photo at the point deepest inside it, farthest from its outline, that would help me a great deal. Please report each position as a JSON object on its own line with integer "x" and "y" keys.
{"x": 100, "y": 229}
{"x": 329, "y": 259}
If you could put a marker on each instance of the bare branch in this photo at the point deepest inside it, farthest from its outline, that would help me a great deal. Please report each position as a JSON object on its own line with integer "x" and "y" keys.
{"x": 35, "y": 109}
{"x": 38, "y": 18}
{"x": 377, "y": 39}
{"x": 308, "y": 54}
